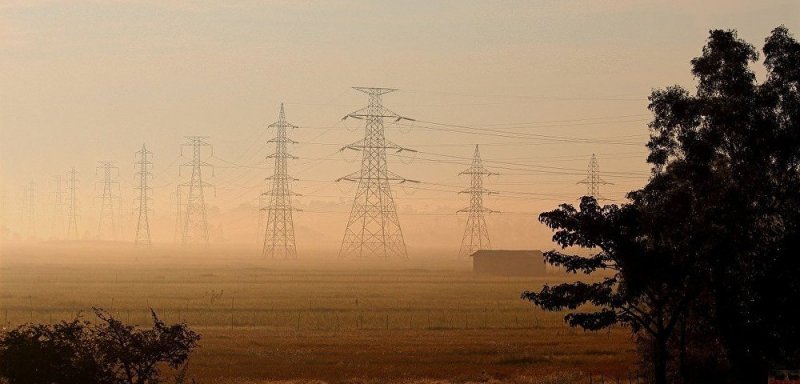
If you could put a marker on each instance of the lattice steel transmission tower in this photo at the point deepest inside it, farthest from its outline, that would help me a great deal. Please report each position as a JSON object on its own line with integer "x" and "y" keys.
{"x": 72, "y": 205}
{"x": 178, "y": 214}
{"x": 279, "y": 231}
{"x": 476, "y": 234}
{"x": 144, "y": 164}
{"x": 262, "y": 219}
{"x": 3, "y": 214}
{"x": 30, "y": 209}
{"x": 593, "y": 180}
{"x": 195, "y": 221}
{"x": 57, "y": 224}
{"x": 107, "y": 228}
{"x": 373, "y": 228}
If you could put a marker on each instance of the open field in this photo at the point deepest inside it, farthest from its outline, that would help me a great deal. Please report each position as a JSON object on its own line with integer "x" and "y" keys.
{"x": 326, "y": 319}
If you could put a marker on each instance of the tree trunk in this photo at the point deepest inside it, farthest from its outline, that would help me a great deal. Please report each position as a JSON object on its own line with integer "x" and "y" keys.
{"x": 660, "y": 359}
{"x": 683, "y": 358}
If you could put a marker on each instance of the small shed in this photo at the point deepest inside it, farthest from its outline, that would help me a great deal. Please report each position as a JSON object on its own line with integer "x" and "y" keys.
{"x": 508, "y": 263}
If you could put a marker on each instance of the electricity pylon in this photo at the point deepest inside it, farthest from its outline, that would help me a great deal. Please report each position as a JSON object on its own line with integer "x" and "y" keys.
{"x": 262, "y": 212}
{"x": 30, "y": 209}
{"x": 195, "y": 222}
{"x": 279, "y": 231}
{"x": 107, "y": 228}
{"x": 143, "y": 174}
{"x": 72, "y": 205}
{"x": 57, "y": 225}
{"x": 373, "y": 228}
{"x": 178, "y": 214}
{"x": 476, "y": 234}
{"x": 3, "y": 219}
{"x": 593, "y": 180}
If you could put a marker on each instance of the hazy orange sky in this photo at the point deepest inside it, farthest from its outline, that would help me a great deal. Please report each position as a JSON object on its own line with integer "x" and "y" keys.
{"x": 83, "y": 81}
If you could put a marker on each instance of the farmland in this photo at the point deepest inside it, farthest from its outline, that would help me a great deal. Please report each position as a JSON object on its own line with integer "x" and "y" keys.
{"x": 319, "y": 319}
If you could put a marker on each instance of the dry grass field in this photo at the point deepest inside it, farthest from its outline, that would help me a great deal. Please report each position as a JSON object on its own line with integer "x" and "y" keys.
{"x": 328, "y": 320}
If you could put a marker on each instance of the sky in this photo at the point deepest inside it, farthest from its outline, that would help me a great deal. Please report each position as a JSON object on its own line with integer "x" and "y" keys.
{"x": 539, "y": 85}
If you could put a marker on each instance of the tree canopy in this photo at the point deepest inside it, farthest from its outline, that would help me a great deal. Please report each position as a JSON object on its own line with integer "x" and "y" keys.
{"x": 710, "y": 244}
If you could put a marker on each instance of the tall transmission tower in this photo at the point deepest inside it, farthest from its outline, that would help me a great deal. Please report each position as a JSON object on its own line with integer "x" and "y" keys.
{"x": 262, "y": 219}
{"x": 373, "y": 228}
{"x": 144, "y": 164}
{"x": 107, "y": 228}
{"x": 279, "y": 231}
{"x": 195, "y": 222}
{"x": 593, "y": 180}
{"x": 178, "y": 214}
{"x": 57, "y": 224}
{"x": 72, "y": 205}
{"x": 30, "y": 209}
{"x": 476, "y": 234}
{"x": 4, "y": 233}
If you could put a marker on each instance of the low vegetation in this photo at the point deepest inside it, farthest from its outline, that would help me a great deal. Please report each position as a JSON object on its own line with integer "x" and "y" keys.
{"x": 104, "y": 352}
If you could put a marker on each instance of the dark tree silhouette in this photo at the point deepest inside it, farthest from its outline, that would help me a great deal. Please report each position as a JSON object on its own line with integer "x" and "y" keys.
{"x": 735, "y": 146}
{"x": 647, "y": 288}
{"x": 711, "y": 243}
{"x": 105, "y": 352}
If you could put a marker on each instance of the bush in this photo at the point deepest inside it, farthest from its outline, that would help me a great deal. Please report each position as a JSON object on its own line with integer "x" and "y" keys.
{"x": 104, "y": 352}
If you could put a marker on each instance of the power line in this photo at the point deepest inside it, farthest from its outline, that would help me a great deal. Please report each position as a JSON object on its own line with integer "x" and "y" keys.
{"x": 465, "y": 129}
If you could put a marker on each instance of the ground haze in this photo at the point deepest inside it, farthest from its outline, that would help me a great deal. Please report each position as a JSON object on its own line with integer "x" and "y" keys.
{"x": 326, "y": 319}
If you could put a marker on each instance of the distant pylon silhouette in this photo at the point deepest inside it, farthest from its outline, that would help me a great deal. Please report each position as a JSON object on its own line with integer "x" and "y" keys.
{"x": 195, "y": 221}
{"x": 72, "y": 205}
{"x": 262, "y": 217}
{"x": 30, "y": 209}
{"x": 373, "y": 228}
{"x": 593, "y": 180}
{"x": 178, "y": 214}
{"x": 3, "y": 214}
{"x": 57, "y": 224}
{"x": 107, "y": 228}
{"x": 144, "y": 164}
{"x": 476, "y": 234}
{"x": 279, "y": 232}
